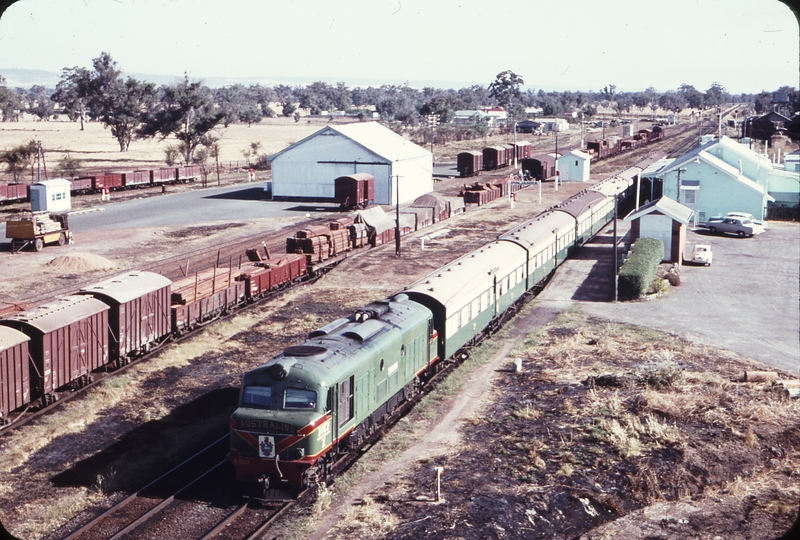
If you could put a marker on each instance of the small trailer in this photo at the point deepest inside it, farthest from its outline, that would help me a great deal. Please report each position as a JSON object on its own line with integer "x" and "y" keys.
{"x": 38, "y": 229}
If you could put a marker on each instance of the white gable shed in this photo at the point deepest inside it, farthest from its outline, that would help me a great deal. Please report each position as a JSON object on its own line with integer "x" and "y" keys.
{"x": 306, "y": 170}
{"x": 51, "y": 196}
{"x": 574, "y": 167}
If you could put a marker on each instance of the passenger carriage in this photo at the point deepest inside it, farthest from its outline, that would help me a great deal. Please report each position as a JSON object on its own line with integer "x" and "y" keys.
{"x": 468, "y": 294}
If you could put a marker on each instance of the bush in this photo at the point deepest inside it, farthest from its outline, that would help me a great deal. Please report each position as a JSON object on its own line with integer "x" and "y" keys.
{"x": 640, "y": 268}
{"x": 674, "y": 278}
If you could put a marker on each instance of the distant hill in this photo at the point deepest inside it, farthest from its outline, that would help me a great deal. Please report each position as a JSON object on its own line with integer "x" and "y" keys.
{"x": 25, "y": 78}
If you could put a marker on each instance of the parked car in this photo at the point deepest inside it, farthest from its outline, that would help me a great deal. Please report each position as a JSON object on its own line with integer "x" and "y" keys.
{"x": 745, "y": 215}
{"x": 701, "y": 254}
{"x": 739, "y": 226}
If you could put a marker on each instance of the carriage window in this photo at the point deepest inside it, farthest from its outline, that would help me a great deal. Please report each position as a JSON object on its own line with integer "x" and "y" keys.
{"x": 295, "y": 398}
{"x": 260, "y": 396}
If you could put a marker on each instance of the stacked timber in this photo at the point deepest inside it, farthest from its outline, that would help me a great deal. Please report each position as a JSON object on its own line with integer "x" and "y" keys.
{"x": 201, "y": 285}
{"x": 342, "y": 223}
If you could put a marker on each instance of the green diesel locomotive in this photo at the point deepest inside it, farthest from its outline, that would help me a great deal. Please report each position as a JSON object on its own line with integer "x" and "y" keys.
{"x": 300, "y": 410}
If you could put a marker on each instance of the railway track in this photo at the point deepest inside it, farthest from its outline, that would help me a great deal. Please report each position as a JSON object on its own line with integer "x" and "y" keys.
{"x": 187, "y": 502}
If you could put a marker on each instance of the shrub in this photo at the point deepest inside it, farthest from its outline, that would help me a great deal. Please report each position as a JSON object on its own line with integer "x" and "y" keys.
{"x": 660, "y": 285}
{"x": 640, "y": 268}
{"x": 674, "y": 279}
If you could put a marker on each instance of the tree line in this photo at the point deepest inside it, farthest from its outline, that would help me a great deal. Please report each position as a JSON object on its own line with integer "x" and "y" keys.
{"x": 190, "y": 111}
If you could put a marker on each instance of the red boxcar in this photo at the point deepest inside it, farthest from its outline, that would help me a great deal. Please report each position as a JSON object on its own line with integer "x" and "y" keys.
{"x": 354, "y": 190}
{"x": 469, "y": 163}
{"x": 522, "y": 150}
{"x": 139, "y": 315}
{"x": 15, "y": 383}
{"x": 68, "y": 340}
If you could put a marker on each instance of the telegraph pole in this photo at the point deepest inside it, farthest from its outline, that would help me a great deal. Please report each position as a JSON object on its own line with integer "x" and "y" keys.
{"x": 397, "y": 217}
{"x": 433, "y": 121}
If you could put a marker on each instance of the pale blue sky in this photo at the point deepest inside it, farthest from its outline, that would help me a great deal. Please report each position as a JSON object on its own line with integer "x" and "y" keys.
{"x": 746, "y": 45}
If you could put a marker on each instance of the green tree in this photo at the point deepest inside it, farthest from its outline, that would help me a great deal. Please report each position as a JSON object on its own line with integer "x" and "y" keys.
{"x": 186, "y": 111}
{"x": 19, "y": 158}
{"x": 72, "y": 92}
{"x": 716, "y": 95}
{"x": 505, "y": 89}
{"x": 693, "y": 97}
{"x": 69, "y": 166}
{"x": 10, "y": 104}
{"x": 39, "y": 103}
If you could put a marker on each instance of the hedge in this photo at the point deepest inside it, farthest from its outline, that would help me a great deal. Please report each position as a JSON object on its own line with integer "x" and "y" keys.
{"x": 640, "y": 268}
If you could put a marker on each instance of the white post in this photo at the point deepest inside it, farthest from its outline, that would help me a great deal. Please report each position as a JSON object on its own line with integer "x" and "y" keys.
{"x": 540, "y": 192}
{"x": 439, "y": 483}
{"x": 422, "y": 244}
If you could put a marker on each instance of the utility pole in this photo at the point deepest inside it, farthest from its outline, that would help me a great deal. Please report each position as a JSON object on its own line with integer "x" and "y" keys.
{"x": 433, "y": 121}
{"x": 678, "y": 193}
{"x": 397, "y": 218}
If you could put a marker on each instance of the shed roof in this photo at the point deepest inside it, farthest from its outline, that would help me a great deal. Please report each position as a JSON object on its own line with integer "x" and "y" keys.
{"x": 666, "y": 206}
{"x": 374, "y": 137}
{"x": 127, "y": 287}
{"x": 54, "y": 183}
{"x": 59, "y": 313}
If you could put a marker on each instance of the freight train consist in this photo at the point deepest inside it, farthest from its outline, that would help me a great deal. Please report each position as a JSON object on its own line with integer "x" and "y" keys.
{"x": 542, "y": 167}
{"x": 116, "y": 181}
{"x": 318, "y": 400}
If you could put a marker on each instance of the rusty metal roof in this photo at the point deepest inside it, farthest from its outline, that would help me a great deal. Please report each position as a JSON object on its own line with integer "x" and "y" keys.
{"x": 58, "y": 313}
{"x": 11, "y": 338}
{"x": 129, "y": 286}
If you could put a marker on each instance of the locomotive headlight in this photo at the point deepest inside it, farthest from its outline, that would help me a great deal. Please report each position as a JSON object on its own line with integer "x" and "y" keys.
{"x": 278, "y": 372}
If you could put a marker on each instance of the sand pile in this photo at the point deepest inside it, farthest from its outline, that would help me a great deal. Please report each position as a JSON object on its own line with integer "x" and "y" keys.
{"x": 80, "y": 262}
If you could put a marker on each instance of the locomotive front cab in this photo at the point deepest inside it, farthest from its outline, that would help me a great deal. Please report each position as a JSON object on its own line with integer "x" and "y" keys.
{"x": 282, "y": 425}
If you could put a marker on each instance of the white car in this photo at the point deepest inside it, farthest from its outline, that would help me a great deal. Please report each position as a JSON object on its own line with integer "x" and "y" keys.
{"x": 701, "y": 254}
{"x": 745, "y": 215}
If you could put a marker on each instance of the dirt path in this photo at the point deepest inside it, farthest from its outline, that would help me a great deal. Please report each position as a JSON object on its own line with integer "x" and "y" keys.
{"x": 445, "y": 436}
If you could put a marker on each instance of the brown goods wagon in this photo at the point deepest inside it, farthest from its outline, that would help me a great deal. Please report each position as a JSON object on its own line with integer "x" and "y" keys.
{"x": 469, "y": 163}
{"x": 508, "y": 155}
{"x": 380, "y": 238}
{"x": 15, "y": 383}
{"x": 273, "y": 274}
{"x": 135, "y": 178}
{"x": 190, "y": 172}
{"x": 424, "y": 216}
{"x": 13, "y": 192}
{"x": 81, "y": 185}
{"x": 354, "y": 190}
{"x": 501, "y": 183}
{"x": 68, "y": 340}
{"x": 140, "y": 313}
{"x": 164, "y": 174}
{"x": 523, "y": 150}
{"x": 492, "y": 156}
{"x": 541, "y": 167}
{"x": 108, "y": 181}
{"x": 408, "y": 223}
{"x": 204, "y": 300}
